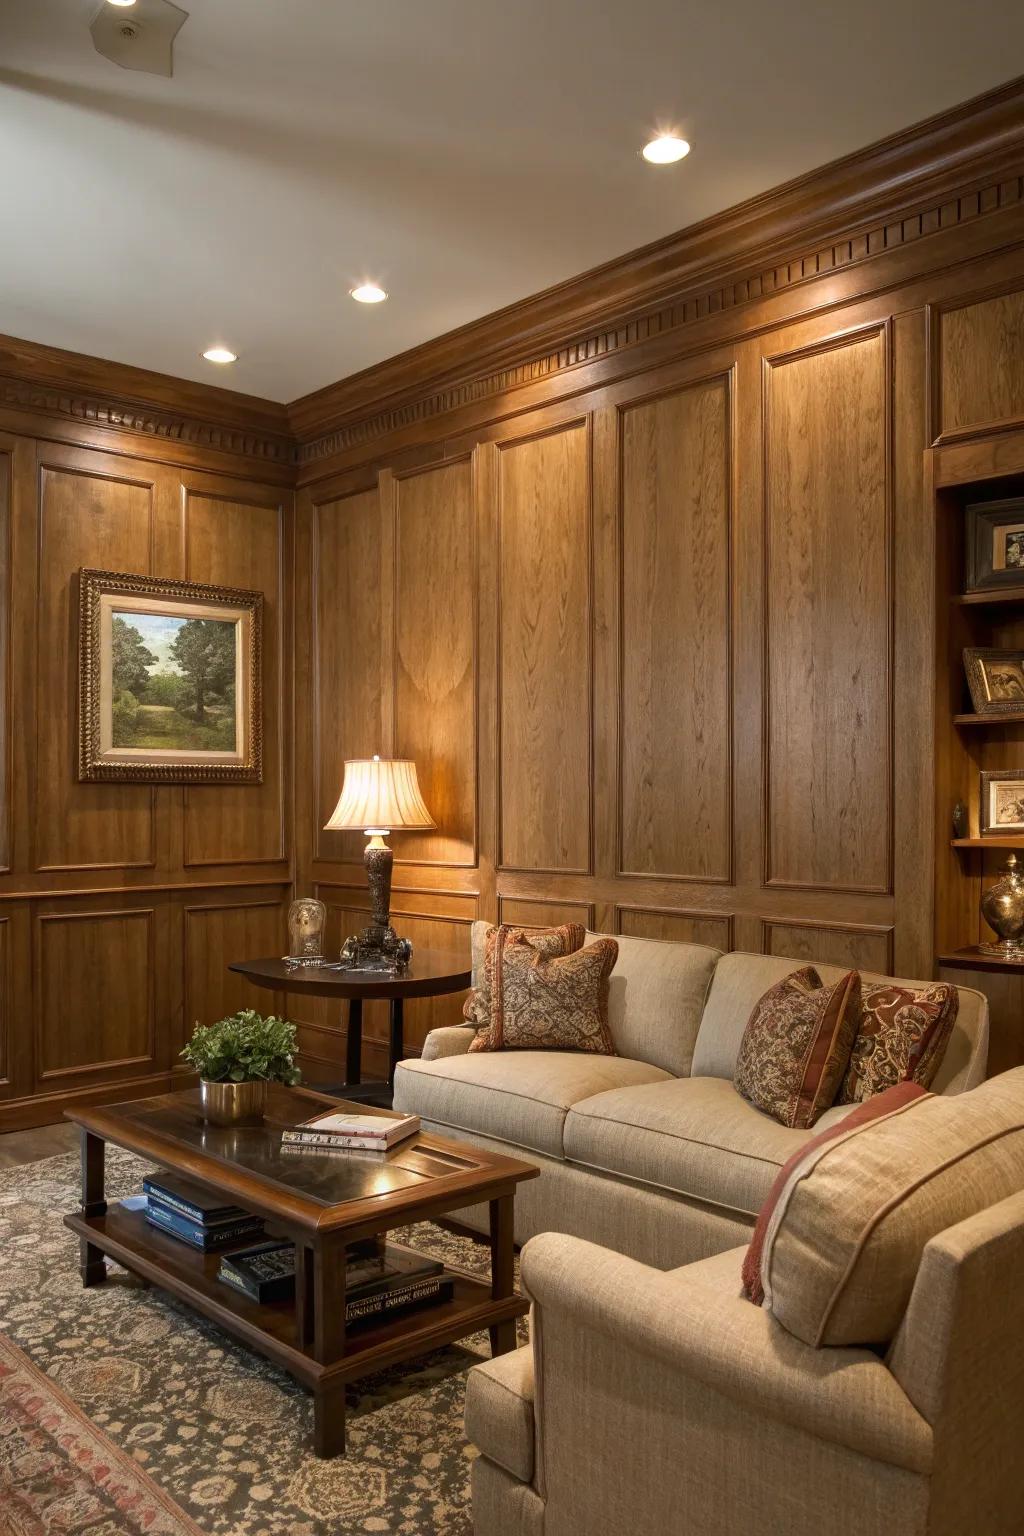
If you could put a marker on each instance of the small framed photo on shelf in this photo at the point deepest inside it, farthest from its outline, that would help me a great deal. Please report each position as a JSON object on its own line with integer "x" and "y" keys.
{"x": 1002, "y": 801}
{"x": 995, "y": 544}
{"x": 996, "y": 680}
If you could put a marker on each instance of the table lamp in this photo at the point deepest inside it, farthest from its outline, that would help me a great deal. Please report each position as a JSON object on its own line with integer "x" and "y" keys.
{"x": 379, "y": 796}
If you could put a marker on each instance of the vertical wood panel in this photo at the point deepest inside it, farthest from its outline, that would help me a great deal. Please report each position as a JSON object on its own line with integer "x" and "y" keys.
{"x": 217, "y": 934}
{"x": 6, "y": 479}
{"x": 6, "y": 1066}
{"x": 95, "y": 973}
{"x": 675, "y": 779}
{"x": 84, "y": 520}
{"x": 434, "y": 657}
{"x": 827, "y": 594}
{"x": 981, "y": 363}
{"x": 545, "y": 653}
{"x": 347, "y": 695}
{"x": 236, "y": 543}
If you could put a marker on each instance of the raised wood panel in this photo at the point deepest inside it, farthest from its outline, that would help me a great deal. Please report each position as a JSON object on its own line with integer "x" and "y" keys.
{"x": 347, "y": 685}
{"x": 828, "y": 672}
{"x": 95, "y": 979}
{"x": 239, "y": 543}
{"x": 84, "y": 520}
{"x": 980, "y": 364}
{"x": 529, "y": 913}
{"x": 675, "y": 770}
{"x": 215, "y": 935}
{"x": 866, "y": 949}
{"x": 435, "y": 720}
{"x": 6, "y": 485}
{"x": 680, "y": 927}
{"x": 6, "y": 1067}
{"x": 544, "y": 768}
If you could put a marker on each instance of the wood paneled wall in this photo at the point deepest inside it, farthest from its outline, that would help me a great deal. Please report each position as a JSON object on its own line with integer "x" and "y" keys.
{"x": 654, "y": 611}
{"x": 120, "y": 905}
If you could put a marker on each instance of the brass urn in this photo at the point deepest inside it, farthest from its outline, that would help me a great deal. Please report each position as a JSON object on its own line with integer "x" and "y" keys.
{"x": 1002, "y": 907}
{"x": 232, "y": 1103}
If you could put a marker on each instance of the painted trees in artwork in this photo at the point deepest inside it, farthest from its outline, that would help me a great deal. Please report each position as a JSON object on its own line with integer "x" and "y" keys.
{"x": 204, "y": 650}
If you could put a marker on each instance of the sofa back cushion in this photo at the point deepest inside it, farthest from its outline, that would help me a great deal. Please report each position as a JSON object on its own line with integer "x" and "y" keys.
{"x": 656, "y": 995}
{"x": 741, "y": 979}
{"x": 849, "y": 1228}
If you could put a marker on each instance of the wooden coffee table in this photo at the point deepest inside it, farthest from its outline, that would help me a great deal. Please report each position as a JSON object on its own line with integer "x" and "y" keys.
{"x": 322, "y": 1202}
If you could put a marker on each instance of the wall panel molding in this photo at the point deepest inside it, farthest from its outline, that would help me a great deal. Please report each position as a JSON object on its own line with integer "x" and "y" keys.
{"x": 976, "y": 364}
{"x": 679, "y": 924}
{"x": 95, "y": 972}
{"x": 867, "y": 946}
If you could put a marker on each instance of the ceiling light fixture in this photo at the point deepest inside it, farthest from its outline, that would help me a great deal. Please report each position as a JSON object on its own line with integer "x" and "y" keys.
{"x": 220, "y": 355}
{"x": 121, "y": 2}
{"x": 666, "y": 149}
{"x": 368, "y": 293}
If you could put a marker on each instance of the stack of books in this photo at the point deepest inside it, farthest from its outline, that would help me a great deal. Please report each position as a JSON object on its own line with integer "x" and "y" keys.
{"x": 388, "y": 1279}
{"x": 195, "y": 1215}
{"x": 340, "y": 1130}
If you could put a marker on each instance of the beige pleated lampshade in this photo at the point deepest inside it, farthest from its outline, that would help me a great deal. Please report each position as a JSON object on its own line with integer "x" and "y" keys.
{"x": 379, "y": 795}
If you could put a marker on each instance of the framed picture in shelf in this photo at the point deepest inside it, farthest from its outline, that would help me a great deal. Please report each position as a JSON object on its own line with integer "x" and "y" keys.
{"x": 995, "y": 544}
{"x": 169, "y": 681}
{"x": 996, "y": 680}
{"x": 1002, "y": 801}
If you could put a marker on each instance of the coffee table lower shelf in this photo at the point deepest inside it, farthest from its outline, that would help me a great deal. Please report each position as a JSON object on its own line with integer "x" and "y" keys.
{"x": 273, "y": 1329}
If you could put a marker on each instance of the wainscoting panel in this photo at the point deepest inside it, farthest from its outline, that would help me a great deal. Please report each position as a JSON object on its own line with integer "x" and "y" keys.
{"x": 544, "y": 914}
{"x": 239, "y": 542}
{"x": 675, "y": 796}
{"x": 435, "y": 630}
{"x": 828, "y": 641}
{"x": 545, "y": 682}
{"x": 96, "y": 975}
{"x": 979, "y": 366}
{"x": 6, "y": 486}
{"x": 868, "y": 949}
{"x": 219, "y": 932}
{"x": 709, "y": 928}
{"x": 347, "y": 683}
{"x": 86, "y": 518}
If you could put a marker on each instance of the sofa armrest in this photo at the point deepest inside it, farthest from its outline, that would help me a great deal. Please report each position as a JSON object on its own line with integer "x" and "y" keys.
{"x": 499, "y": 1411}
{"x": 681, "y": 1327}
{"x": 449, "y": 1040}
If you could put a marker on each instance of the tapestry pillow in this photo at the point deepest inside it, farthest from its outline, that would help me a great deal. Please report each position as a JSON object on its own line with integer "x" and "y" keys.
{"x": 881, "y": 1104}
{"x": 551, "y": 1002}
{"x": 477, "y": 1008}
{"x": 843, "y": 1244}
{"x": 902, "y": 1037}
{"x": 796, "y": 1046}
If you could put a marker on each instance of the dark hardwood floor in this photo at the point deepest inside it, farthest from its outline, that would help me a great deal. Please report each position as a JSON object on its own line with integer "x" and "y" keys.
{"x": 18, "y": 1147}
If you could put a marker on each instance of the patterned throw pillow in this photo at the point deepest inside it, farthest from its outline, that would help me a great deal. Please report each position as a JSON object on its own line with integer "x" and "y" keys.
{"x": 552, "y": 1002}
{"x": 477, "y": 1008}
{"x": 796, "y": 1046}
{"x": 902, "y": 1037}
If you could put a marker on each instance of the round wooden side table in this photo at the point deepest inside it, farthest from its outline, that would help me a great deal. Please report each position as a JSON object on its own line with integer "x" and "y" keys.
{"x": 430, "y": 973}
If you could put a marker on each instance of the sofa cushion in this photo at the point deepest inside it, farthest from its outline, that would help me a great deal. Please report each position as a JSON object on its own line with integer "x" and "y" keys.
{"x": 846, "y": 1237}
{"x": 499, "y": 1410}
{"x": 517, "y": 1096}
{"x": 722, "y": 1272}
{"x": 901, "y": 1037}
{"x": 556, "y": 1002}
{"x": 486, "y": 939}
{"x": 796, "y": 1046}
{"x": 656, "y": 994}
{"x": 694, "y": 1136}
{"x": 740, "y": 979}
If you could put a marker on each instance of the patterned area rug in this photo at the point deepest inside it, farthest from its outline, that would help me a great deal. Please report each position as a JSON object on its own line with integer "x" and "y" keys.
{"x": 222, "y": 1431}
{"x": 59, "y": 1475}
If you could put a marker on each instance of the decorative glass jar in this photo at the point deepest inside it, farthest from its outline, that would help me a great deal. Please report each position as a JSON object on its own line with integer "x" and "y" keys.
{"x": 307, "y": 919}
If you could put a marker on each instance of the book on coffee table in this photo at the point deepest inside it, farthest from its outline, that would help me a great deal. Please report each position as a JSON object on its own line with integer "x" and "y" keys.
{"x": 378, "y": 1282}
{"x": 341, "y": 1128}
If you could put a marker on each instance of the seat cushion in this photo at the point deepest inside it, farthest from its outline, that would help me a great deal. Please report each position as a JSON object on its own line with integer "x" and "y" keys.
{"x": 695, "y": 1136}
{"x": 517, "y": 1096}
{"x": 721, "y": 1273}
{"x": 499, "y": 1410}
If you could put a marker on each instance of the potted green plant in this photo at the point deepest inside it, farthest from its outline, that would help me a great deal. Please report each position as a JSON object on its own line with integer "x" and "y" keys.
{"x": 236, "y": 1058}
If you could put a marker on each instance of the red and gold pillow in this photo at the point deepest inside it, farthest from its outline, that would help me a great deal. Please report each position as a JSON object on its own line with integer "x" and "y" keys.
{"x": 478, "y": 1007}
{"x": 901, "y": 1037}
{"x": 552, "y": 1002}
{"x": 796, "y": 1046}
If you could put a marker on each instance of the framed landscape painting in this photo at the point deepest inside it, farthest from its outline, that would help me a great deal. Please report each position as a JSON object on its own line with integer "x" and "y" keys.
{"x": 168, "y": 681}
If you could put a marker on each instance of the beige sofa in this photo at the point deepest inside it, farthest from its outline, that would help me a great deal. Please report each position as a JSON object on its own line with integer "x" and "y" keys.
{"x": 651, "y": 1152}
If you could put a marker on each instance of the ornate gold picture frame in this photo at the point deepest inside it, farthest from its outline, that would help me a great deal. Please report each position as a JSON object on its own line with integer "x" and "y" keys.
{"x": 996, "y": 680}
{"x": 169, "y": 681}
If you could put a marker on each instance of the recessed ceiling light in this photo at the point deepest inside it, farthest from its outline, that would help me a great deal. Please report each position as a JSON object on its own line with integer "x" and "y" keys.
{"x": 368, "y": 293}
{"x": 666, "y": 149}
{"x": 122, "y": 2}
{"x": 220, "y": 355}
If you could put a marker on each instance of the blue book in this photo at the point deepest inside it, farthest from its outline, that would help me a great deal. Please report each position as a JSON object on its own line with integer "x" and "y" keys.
{"x": 192, "y": 1200}
{"x": 205, "y": 1238}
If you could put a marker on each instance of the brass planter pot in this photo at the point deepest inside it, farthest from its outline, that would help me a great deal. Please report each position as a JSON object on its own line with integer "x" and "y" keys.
{"x": 233, "y": 1103}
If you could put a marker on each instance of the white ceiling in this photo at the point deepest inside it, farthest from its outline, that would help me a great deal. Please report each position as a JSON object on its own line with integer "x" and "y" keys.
{"x": 463, "y": 154}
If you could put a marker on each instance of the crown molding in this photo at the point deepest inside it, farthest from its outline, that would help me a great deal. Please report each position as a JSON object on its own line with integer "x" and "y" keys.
{"x": 963, "y": 164}
{"x": 68, "y": 385}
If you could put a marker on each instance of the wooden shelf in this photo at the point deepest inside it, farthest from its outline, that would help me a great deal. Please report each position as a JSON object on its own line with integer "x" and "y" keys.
{"x": 993, "y": 598}
{"x": 972, "y": 959}
{"x": 1007, "y": 840}
{"x": 1014, "y": 717}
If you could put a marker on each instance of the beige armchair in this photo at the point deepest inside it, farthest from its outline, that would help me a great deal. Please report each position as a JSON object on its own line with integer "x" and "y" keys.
{"x": 659, "y": 1403}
